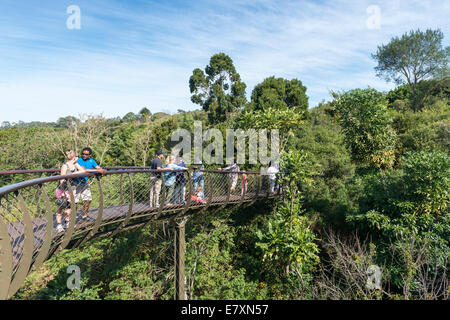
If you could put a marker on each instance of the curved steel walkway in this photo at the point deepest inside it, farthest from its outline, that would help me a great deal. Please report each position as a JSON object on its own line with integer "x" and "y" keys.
{"x": 120, "y": 201}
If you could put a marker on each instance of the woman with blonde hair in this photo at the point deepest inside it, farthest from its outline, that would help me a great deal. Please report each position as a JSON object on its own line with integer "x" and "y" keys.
{"x": 69, "y": 167}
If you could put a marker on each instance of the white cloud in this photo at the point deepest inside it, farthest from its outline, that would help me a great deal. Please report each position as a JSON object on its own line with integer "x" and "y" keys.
{"x": 125, "y": 58}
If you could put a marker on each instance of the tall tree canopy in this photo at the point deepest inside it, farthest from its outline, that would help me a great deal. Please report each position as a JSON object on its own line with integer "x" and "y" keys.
{"x": 218, "y": 89}
{"x": 414, "y": 57}
{"x": 145, "y": 114}
{"x": 279, "y": 93}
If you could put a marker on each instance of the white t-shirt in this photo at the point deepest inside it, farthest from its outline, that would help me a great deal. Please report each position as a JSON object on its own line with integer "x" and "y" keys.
{"x": 272, "y": 171}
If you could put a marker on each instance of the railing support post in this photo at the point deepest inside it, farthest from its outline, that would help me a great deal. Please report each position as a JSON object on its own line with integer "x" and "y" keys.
{"x": 179, "y": 249}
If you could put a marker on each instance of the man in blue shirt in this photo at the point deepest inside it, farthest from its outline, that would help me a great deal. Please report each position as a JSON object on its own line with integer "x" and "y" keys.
{"x": 83, "y": 191}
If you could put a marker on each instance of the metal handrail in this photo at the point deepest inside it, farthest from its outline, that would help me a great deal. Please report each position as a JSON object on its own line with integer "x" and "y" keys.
{"x": 16, "y": 186}
{"x": 32, "y": 257}
{"x": 52, "y": 170}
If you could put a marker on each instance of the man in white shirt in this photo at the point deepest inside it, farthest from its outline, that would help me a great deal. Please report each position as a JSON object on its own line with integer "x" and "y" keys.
{"x": 272, "y": 171}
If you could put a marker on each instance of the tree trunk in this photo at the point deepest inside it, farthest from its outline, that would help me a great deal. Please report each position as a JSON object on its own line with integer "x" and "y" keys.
{"x": 414, "y": 99}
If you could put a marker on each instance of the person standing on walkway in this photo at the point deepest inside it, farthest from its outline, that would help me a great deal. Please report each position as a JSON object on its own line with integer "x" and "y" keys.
{"x": 169, "y": 178}
{"x": 155, "y": 179}
{"x": 244, "y": 182}
{"x": 198, "y": 179}
{"x": 233, "y": 176}
{"x": 83, "y": 191}
{"x": 180, "y": 183}
{"x": 69, "y": 167}
{"x": 272, "y": 171}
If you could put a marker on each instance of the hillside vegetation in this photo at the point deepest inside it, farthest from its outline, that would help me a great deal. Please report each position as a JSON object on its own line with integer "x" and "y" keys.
{"x": 365, "y": 214}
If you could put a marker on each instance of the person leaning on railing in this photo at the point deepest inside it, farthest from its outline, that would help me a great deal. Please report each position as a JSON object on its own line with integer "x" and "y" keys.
{"x": 69, "y": 167}
{"x": 170, "y": 177}
{"x": 83, "y": 191}
{"x": 233, "y": 176}
{"x": 180, "y": 183}
{"x": 198, "y": 180}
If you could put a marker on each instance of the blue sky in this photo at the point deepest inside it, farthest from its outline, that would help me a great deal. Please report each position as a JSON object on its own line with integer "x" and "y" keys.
{"x": 134, "y": 54}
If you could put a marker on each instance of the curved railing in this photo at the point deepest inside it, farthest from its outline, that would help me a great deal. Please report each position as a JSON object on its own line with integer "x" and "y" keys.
{"x": 120, "y": 201}
{"x": 8, "y": 177}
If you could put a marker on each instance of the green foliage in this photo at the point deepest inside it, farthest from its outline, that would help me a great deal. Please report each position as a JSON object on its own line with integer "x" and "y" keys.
{"x": 296, "y": 172}
{"x": 411, "y": 203}
{"x": 111, "y": 268}
{"x": 276, "y": 103}
{"x": 330, "y": 167}
{"x": 328, "y": 196}
{"x": 27, "y": 148}
{"x": 322, "y": 137}
{"x": 428, "y": 94}
{"x": 209, "y": 267}
{"x": 367, "y": 127}
{"x": 279, "y": 93}
{"x": 130, "y": 116}
{"x": 145, "y": 114}
{"x": 284, "y": 120}
{"x": 427, "y": 181}
{"x": 288, "y": 243}
{"x": 398, "y": 98}
{"x": 419, "y": 189}
{"x": 414, "y": 57}
{"x": 424, "y": 130}
{"x": 285, "y": 238}
{"x": 67, "y": 122}
{"x": 219, "y": 89}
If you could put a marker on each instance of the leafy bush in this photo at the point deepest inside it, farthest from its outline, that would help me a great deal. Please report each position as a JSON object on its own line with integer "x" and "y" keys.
{"x": 367, "y": 127}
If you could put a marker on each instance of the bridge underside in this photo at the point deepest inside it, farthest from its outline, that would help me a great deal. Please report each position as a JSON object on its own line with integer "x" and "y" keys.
{"x": 112, "y": 217}
{"x": 28, "y": 226}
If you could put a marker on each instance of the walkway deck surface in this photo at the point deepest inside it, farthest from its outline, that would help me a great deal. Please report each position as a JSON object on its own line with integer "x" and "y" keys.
{"x": 110, "y": 214}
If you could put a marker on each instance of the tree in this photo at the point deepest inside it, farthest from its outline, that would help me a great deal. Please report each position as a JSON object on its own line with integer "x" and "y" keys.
{"x": 276, "y": 103}
{"x": 67, "y": 122}
{"x": 407, "y": 210}
{"x": 86, "y": 131}
{"x": 279, "y": 93}
{"x": 5, "y": 124}
{"x": 145, "y": 114}
{"x": 367, "y": 127}
{"x": 130, "y": 116}
{"x": 140, "y": 145}
{"x": 427, "y": 182}
{"x": 329, "y": 194}
{"x": 413, "y": 57}
{"x": 284, "y": 120}
{"x": 286, "y": 238}
{"x": 219, "y": 89}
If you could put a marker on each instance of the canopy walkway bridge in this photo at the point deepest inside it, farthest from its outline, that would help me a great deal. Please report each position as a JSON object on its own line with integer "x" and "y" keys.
{"x": 120, "y": 201}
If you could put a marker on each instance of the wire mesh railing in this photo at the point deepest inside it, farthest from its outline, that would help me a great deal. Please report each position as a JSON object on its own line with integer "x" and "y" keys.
{"x": 8, "y": 177}
{"x": 41, "y": 217}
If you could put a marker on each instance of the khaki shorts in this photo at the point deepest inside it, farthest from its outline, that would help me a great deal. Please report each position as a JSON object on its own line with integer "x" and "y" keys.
{"x": 83, "y": 193}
